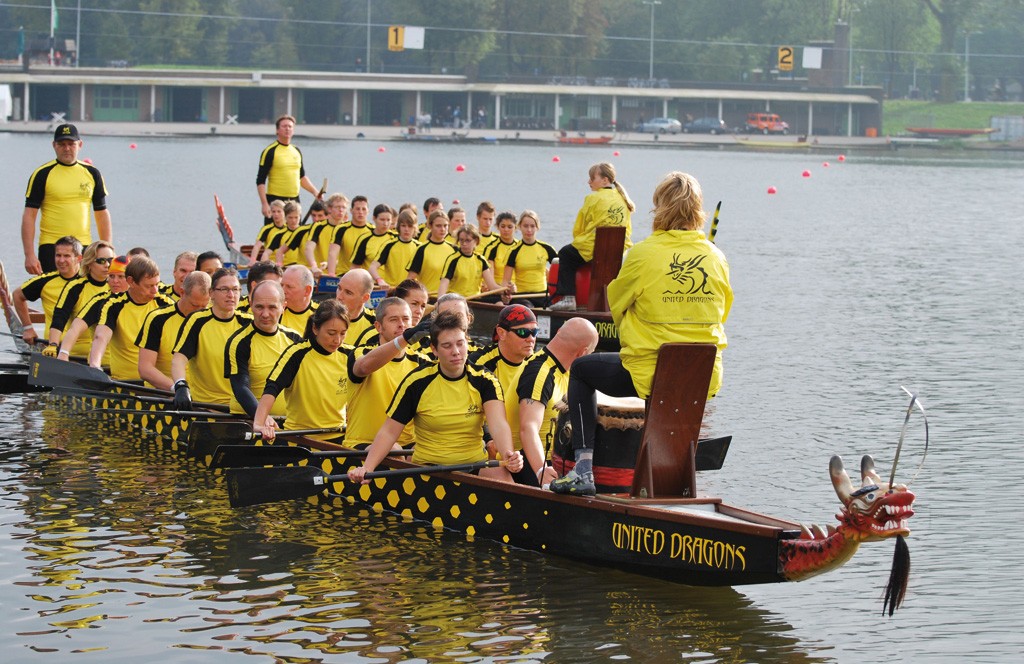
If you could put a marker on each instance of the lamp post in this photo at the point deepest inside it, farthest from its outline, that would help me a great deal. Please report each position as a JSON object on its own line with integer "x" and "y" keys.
{"x": 650, "y": 69}
{"x": 967, "y": 65}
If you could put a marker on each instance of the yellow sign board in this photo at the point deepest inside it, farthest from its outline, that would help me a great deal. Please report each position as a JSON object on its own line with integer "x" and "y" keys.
{"x": 396, "y": 38}
{"x": 785, "y": 58}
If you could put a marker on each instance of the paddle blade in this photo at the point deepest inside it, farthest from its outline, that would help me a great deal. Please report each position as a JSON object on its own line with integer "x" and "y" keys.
{"x": 240, "y": 456}
{"x": 205, "y": 437}
{"x": 711, "y": 452}
{"x": 46, "y": 371}
{"x": 256, "y": 486}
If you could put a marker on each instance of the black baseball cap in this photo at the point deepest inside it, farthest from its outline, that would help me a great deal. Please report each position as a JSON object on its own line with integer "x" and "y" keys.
{"x": 66, "y": 132}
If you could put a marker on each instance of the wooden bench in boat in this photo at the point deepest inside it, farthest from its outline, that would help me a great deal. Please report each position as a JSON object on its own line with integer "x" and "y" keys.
{"x": 609, "y": 244}
{"x": 666, "y": 464}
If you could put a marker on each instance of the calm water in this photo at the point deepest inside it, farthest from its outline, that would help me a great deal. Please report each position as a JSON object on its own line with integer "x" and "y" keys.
{"x": 872, "y": 273}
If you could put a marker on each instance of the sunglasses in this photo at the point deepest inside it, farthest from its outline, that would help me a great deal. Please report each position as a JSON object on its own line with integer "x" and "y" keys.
{"x": 104, "y": 261}
{"x": 524, "y": 332}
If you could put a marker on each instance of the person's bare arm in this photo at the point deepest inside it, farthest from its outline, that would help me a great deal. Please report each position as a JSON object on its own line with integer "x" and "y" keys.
{"x": 103, "y": 226}
{"x": 100, "y": 338}
{"x": 149, "y": 372}
{"x": 28, "y": 239}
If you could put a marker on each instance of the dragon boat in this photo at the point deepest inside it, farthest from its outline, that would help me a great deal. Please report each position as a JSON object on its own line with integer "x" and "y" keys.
{"x": 658, "y": 526}
{"x": 653, "y": 521}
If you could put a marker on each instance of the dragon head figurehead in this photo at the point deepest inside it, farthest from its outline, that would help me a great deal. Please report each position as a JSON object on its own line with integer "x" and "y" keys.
{"x": 875, "y": 511}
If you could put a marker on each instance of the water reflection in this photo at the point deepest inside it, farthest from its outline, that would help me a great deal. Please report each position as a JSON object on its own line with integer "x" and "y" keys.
{"x": 130, "y": 546}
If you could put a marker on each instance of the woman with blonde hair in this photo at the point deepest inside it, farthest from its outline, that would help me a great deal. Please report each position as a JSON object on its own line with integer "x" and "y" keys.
{"x": 673, "y": 287}
{"x": 608, "y": 204}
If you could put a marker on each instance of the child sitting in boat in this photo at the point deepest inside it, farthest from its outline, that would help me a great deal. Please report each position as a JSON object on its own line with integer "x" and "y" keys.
{"x": 527, "y": 265}
{"x": 608, "y": 204}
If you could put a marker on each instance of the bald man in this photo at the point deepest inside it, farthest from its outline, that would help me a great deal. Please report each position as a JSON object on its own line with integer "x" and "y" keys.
{"x": 354, "y": 290}
{"x": 542, "y": 381}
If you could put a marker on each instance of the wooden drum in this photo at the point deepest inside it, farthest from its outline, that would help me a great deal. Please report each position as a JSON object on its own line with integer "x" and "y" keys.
{"x": 620, "y": 424}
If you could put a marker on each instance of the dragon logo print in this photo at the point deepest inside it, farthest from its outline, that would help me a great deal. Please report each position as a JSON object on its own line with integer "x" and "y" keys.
{"x": 691, "y": 277}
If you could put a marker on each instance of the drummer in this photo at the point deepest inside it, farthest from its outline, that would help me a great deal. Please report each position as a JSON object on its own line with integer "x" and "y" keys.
{"x": 535, "y": 390}
{"x": 673, "y": 287}
{"x": 447, "y": 402}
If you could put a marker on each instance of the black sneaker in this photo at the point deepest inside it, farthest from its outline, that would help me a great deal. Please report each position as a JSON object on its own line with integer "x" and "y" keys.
{"x": 577, "y": 485}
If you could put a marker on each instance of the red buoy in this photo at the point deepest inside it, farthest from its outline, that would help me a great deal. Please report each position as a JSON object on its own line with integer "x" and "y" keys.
{"x": 382, "y": 149}
{"x": 824, "y": 164}
{"x": 841, "y": 157}
{"x": 772, "y": 190}
{"x": 615, "y": 154}
{"x": 460, "y": 168}
{"x": 556, "y": 159}
{"x": 132, "y": 146}
{"x": 806, "y": 174}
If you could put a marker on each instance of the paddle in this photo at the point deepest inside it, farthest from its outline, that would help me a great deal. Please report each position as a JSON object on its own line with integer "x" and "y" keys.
{"x": 711, "y": 452}
{"x": 204, "y": 440}
{"x": 430, "y": 307}
{"x": 256, "y": 486}
{"x": 37, "y": 342}
{"x": 109, "y": 396}
{"x": 520, "y": 296}
{"x": 51, "y": 372}
{"x": 242, "y": 456}
{"x": 176, "y": 413}
{"x": 323, "y": 190}
{"x": 714, "y": 223}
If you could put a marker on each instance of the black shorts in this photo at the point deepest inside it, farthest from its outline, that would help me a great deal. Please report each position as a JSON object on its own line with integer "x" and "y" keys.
{"x": 48, "y": 257}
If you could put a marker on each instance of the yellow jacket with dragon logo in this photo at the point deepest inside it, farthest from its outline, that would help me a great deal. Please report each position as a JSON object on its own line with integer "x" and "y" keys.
{"x": 673, "y": 287}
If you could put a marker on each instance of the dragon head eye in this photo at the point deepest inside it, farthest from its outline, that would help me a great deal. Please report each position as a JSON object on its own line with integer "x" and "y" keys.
{"x": 863, "y": 490}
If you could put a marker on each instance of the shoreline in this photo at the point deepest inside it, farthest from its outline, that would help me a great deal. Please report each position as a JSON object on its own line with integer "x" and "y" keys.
{"x": 447, "y": 135}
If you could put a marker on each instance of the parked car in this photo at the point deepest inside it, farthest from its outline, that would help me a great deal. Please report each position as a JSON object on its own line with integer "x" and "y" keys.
{"x": 706, "y": 126}
{"x": 660, "y": 126}
{"x": 765, "y": 123}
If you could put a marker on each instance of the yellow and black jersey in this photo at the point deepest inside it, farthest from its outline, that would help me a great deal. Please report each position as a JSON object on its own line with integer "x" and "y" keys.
{"x": 529, "y": 263}
{"x": 63, "y": 194}
{"x": 46, "y": 287}
{"x": 124, "y": 317}
{"x": 202, "y": 340}
{"x": 281, "y": 170}
{"x": 498, "y": 255}
{"x": 360, "y": 327}
{"x": 369, "y": 248}
{"x": 394, "y": 259}
{"x": 253, "y": 352}
{"x": 485, "y": 244}
{"x": 315, "y": 383}
{"x": 490, "y": 358}
{"x": 322, "y": 234}
{"x": 71, "y": 304}
{"x": 167, "y": 290}
{"x": 543, "y": 379}
{"x": 448, "y": 412}
{"x": 295, "y": 246}
{"x": 464, "y": 273}
{"x": 159, "y": 333}
{"x": 347, "y": 237}
{"x": 428, "y": 263}
{"x": 296, "y": 320}
{"x": 369, "y": 396}
{"x": 244, "y": 306}
{"x": 269, "y": 235}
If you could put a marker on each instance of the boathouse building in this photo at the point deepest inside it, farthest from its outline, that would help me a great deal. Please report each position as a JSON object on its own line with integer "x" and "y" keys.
{"x": 365, "y": 99}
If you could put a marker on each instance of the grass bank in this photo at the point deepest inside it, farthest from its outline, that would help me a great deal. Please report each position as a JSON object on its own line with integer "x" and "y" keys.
{"x": 899, "y": 114}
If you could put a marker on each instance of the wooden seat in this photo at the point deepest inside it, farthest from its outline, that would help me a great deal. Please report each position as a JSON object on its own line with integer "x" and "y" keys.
{"x": 666, "y": 465}
{"x": 609, "y": 243}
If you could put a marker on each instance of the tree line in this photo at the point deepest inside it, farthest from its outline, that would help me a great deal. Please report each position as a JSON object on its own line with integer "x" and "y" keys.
{"x": 897, "y": 44}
